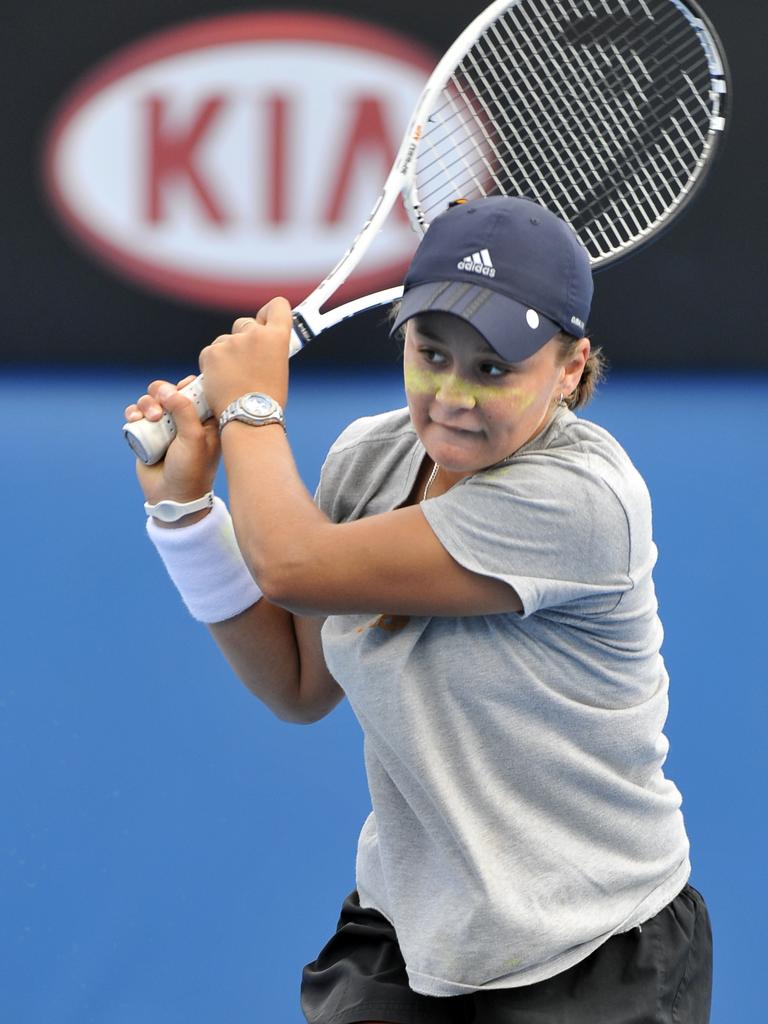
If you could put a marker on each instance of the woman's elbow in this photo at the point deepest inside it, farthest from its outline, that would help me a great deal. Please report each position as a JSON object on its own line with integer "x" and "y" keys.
{"x": 305, "y": 714}
{"x": 293, "y": 589}
{"x": 298, "y": 716}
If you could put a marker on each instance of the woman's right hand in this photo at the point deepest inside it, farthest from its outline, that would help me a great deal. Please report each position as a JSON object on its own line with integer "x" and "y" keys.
{"x": 189, "y": 467}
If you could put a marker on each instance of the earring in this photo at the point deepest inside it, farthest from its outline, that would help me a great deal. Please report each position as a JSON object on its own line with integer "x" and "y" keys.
{"x": 562, "y": 400}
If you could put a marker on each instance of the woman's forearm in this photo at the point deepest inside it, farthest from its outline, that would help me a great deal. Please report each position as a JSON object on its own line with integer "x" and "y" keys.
{"x": 274, "y": 515}
{"x": 260, "y": 645}
{"x": 279, "y": 657}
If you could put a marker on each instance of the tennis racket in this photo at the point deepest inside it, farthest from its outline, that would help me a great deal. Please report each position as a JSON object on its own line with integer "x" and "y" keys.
{"x": 607, "y": 112}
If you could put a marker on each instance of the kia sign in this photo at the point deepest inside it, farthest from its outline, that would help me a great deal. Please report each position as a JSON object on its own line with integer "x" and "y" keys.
{"x": 234, "y": 158}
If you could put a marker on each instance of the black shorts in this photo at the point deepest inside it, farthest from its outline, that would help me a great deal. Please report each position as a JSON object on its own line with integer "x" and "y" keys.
{"x": 660, "y": 973}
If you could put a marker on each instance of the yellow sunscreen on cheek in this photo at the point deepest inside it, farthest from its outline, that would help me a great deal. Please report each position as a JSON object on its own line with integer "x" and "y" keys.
{"x": 427, "y": 382}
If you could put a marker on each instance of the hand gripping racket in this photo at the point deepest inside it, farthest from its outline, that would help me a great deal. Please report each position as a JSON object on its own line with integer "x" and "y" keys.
{"x": 608, "y": 112}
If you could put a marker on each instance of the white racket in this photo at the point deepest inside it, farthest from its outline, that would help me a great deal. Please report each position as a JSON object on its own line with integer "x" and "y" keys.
{"x": 607, "y": 112}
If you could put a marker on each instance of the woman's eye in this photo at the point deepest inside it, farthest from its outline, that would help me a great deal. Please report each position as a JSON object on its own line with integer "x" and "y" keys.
{"x": 492, "y": 370}
{"x": 431, "y": 356}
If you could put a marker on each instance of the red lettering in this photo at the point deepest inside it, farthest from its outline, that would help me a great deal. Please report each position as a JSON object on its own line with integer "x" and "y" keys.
{"x": 172, "y": 158}
{"x": 368, "y": 132}
{"x": 277, "y": 114}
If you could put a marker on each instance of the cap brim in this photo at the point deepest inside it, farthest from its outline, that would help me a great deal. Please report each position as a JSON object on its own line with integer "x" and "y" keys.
{"x": 513, "y": 330}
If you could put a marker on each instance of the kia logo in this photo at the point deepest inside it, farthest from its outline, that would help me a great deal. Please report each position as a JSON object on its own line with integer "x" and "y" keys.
{"x": 233, "y": 158}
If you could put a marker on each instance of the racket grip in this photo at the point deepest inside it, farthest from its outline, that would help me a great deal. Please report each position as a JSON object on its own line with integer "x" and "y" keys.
{"x": 150, "y": 439}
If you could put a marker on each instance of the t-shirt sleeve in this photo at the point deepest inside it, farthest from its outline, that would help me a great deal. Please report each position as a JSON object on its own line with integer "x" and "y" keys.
{"x": 552, "y": 529}
{"x": 361, "y": 455}
{"x": 332, "y": 470}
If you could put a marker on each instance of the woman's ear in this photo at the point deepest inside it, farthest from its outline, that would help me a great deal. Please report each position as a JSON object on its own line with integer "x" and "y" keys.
{"x": 574, "y": 366}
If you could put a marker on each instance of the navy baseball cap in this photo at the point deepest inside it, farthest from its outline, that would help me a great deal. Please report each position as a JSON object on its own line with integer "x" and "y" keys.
{"x": 511, "y": 268}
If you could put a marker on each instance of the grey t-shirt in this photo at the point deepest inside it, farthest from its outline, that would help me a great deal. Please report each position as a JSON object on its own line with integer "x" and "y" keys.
{"x": 520, "y": 812}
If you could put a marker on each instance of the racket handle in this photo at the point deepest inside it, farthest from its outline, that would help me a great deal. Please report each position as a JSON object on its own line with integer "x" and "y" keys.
{"x": 150, "y": 439}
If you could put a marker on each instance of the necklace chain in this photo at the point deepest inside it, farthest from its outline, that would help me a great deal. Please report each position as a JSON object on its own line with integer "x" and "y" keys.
{"x": 432, "y": 478}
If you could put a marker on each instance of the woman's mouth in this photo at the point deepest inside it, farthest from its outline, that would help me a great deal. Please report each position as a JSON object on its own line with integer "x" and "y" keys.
{"x": 453, "y": 429}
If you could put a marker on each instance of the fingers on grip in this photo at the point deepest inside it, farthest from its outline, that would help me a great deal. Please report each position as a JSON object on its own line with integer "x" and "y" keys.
{"x": 277, "y": 312}
{"x": 148, "y": 407}
{"x": 161, "y": 396}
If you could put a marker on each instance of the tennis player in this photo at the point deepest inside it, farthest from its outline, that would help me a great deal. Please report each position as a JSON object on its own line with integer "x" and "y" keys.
{"x": 475, "y": 576}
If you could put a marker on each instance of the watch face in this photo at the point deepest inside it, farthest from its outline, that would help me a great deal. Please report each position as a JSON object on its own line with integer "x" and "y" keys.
{"x": 257, "y": 405}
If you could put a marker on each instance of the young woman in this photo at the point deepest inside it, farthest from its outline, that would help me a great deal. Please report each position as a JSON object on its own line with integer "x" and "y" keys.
{"x": 475, "y": 576}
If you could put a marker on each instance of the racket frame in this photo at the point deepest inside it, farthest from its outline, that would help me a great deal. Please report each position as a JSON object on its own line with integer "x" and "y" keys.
{"x": 309, "y": 321}
{"x": 150, "y": 440}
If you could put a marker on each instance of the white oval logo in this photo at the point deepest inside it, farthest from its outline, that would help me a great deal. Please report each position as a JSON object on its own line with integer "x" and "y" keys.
{"x": 235, "y": 158}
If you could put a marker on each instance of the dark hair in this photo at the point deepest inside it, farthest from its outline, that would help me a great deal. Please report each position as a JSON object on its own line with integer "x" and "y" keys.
{"x": 593, "y": 373}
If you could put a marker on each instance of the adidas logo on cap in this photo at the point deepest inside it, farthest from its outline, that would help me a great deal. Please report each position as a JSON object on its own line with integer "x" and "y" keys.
{"x": 478, "y": 263}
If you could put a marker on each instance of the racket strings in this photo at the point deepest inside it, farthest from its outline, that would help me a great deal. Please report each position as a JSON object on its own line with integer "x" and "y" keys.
{"x": 612, "y": 147}
{"x": 618, "y": 127}
{"x": 560, "y": 138}
{"x": 532, "y": 109}
{"x": 629, "y": 139}
{"x": 618, "y": 121}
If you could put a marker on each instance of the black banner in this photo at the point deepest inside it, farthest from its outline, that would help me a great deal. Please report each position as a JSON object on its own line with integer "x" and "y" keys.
{"x": 299, "y": 151}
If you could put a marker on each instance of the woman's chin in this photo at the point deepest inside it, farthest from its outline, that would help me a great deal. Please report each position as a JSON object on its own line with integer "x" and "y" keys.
{"x": 464, "y": 456}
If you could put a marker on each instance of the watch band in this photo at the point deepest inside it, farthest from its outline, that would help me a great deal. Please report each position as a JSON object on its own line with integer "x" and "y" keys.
{"x": 171, "y": 511}
{"x": 238, "y": 410}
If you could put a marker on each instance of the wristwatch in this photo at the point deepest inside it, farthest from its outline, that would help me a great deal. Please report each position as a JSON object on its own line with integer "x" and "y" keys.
{"x": 254, "y": 408}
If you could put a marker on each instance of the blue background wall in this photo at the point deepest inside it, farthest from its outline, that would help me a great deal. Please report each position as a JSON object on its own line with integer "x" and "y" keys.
{"x": 171, "y": 853}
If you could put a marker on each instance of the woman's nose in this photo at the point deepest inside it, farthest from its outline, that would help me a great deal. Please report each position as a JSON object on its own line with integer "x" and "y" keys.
{"x": 456, "y": 393}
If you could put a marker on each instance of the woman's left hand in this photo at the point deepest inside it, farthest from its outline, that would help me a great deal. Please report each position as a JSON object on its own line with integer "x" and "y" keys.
{"x": 254, "y": 357}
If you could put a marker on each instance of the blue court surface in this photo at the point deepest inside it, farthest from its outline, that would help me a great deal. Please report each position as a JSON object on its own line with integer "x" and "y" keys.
{"x": 172, "y": 854}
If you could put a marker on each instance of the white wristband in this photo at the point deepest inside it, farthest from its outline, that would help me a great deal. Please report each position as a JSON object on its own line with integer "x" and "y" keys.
{"x": 171, "y": 511}
{"x": 205, "y": 563}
